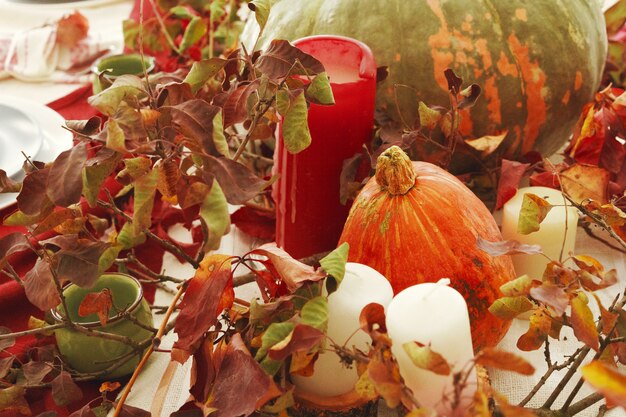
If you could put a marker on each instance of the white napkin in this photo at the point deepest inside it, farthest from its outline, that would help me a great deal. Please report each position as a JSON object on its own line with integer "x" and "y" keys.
{"x": 35, "y": 55}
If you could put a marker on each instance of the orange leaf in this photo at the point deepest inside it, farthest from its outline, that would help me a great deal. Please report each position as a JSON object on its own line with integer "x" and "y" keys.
{"x": 500, "y": 359}
{"x": 582, "y": 323}
{"x": 582, "y": 182}
{"x": 109, "y": 386}
{"x": 608, "y": 381}
{"x": 540, "y": 324}
{"x": 97, "y": 303}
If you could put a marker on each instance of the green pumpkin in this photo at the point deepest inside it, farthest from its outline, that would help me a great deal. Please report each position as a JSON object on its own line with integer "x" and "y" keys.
{"x": 538, "y": 61}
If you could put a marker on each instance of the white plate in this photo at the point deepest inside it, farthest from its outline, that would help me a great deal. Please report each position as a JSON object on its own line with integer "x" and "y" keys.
{"x": 18, "y": 134}
{"x": 55, "y": 138}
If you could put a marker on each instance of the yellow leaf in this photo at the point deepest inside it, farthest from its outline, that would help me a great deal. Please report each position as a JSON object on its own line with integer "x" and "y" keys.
{"x": 608, "y": 381}
{"x": 486, "y": 145}
{"x": 534, "y": 211}
{"x": 583, "y": 324}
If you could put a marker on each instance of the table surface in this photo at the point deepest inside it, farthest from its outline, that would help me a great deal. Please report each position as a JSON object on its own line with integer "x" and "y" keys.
{"x": 105, "y": 17}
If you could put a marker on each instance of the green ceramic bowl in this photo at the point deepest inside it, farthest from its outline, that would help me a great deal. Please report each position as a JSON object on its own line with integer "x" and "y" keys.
{"x": 88, "y": 354}
{"x": 108, "y": 68}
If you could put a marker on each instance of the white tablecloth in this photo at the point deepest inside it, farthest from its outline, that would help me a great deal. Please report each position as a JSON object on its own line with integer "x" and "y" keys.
{"x": 105, "y": 20}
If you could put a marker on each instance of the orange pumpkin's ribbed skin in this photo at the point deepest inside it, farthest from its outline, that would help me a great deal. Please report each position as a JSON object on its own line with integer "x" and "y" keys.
{"x": 430, "y": 233}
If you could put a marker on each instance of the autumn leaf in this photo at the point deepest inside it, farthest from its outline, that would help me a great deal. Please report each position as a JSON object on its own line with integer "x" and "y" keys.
{"x": 238, "y": 183}
{"x": 425, "y": 358}
{"x": 202, "y": 71}
{"x": 12, "y": 243}
{"x": 40, "y": 287}
{"x": 65, "y": 181}
{"x": 608, "y": 319}
{"x": 294, "y": 273}
{"x": 301, "y": 339}
{"x": 98, "y": 303}
{"x": 608, "y": 381}
{"x": 386, "y": 380}
{"x": 109, "y": 386}
{"x": 315, "y": 313}
{"x": 539, "y": 327}
{"x": 71, "y": 29}
{"x": 583, "y": 323}
{"x": 236, "y": 106}
{"x": 372, "y": 318}
{"x": 318, "y": 91}
{"x": 7, "y": 185}
{"x": 511, "y": 173}
{"x": 507, "y": 247}
{"x": 534, "y": 210}
{"x": 508, "y": 308}
{"x": 551, "y": 295}
{"x": 65, "y": 390}
{"x": 12, "y": 400}
{"x": 335, "y": 262}
{"x": 278, "y": 60}
{"x": 208, "y": 293}
{"x": 612, "y": 215}
{"x": 500, "y": 359}
{"x": 8, "y": 342}
{"x": 35, "y": 371}
{"x": 486, "y": 145}
{"x": 582, "y": 182}
{"x": 518, "y": 286}
{"x": 292, "y": 106}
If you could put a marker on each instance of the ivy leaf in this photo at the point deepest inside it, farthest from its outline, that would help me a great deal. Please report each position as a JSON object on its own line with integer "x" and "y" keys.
{"x": 202, "y": 71}
{"x": 319, "y": 91}
{"x": 98, "y": 303}
{"x": 511, "y": 173}
{"x": 508, "y": 308}
{"x": 64, "y": 390}
{"x": 425, "y": 358}
{"x": 208, "y": 293}
{"x": 500, "y": 359}
{"x": 608, "y": 381}
{"x": 583, "y": 323}
{"x": 301, "y": 339}
{"x": 335, "y": 262}
{"x": 292, "y": 272}
{"x": 540, "y": 325}
{"x": 534, "y": 210}
{"x": 314, "y": 313}
{"x": 486, "y": 145}
{"x": 261, "y": 9}
{"x": 215, "y": 217}
{"x": 278, "y": 61}
{"x": 40, "y": 288}
{"x": 295, "y": 129}
{"x": 507, "y": 247}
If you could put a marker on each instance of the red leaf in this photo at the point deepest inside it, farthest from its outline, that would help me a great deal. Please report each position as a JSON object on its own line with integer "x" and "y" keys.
{"x": 7, "y": 185}
{"x": 208, "y": 293}
{"x": 5, "y": 365}
{"x": 130, "y": 411}
{"x": 551, "y": 295}
{"x": 12, "y": 243}
{"x": 292, "y": 272}
{"x": 97, "y": 303}
{"x": 373, "y": 315}
{"x": 511, "y": 174}
{"x": 40, "y": 288}
{"x": 235, "y": 107}
{"x": 32, "y": 199}
{"x": 238, "y": 373}
{"x": 194, "y": 119}
{"x": 301, "y": 339}
{"x": 238, "y": 183}
{"x": 255, "y": 223}
{"x": 64, "y": 390}
{"x": 65, "y": 181}
{"x": 279, "y": 59}
{"x": 35, "y": 372}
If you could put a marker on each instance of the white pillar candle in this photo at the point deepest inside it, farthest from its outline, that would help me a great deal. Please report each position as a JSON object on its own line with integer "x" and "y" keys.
{"x": 361, "y": 286}
{"x": 551, "y": 235}
{"x": 435, "y": 315}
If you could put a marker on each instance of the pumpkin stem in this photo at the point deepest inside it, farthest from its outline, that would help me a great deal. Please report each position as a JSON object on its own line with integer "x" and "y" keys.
{"x": 394, "y": 171}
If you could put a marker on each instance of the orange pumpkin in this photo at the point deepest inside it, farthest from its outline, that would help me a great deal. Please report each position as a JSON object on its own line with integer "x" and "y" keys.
{"x": 415, "y": 223}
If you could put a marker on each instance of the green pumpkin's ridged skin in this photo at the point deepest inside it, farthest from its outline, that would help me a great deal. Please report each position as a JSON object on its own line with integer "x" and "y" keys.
{"x": 431, "y": 233}
{"x": 538, "y": 61}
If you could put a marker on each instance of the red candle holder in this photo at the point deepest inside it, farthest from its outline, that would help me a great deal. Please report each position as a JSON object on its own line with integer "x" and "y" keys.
{"x": 309, "y": 214}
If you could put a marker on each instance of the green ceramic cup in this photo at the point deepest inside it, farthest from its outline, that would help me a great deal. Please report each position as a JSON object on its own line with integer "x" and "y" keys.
{"x": 108, "y": 68}
{"x": 87, "y": 354}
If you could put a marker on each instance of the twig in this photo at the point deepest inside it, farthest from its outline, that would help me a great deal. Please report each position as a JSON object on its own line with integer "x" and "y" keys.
{"x": 32, "y": 331}
{"x": 584, "y": 403}
{"x": 11, "y": 273}
{"x": 568, "y": 376}
{"x": 587, "y": 228}
{"x": 155, "y": 343}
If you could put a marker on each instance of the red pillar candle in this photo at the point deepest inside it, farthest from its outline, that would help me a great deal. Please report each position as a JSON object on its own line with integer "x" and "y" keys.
{"x": 309, "y": 215}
